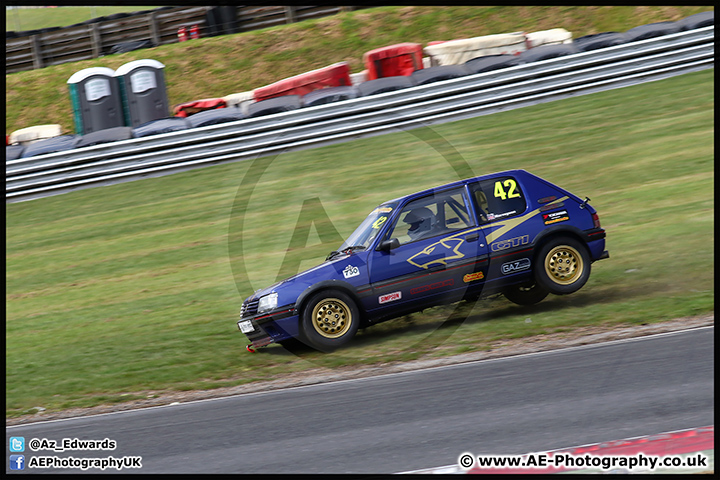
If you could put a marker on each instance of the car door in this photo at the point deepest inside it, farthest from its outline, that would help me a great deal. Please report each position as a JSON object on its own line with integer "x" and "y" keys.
{"x": 509, "y": 227}
{"x": 440, "y": 253}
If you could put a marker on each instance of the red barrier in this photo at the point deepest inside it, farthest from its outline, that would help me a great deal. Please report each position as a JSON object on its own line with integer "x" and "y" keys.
{"x": 189, "y": 108}
{"x": 392, "y": 61}
{"x": 438, "y": 42}
{"x": 336, "y": 75}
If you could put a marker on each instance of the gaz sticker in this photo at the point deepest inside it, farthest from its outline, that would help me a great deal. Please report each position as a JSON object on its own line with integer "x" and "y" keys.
{"x": 516, "y": 266}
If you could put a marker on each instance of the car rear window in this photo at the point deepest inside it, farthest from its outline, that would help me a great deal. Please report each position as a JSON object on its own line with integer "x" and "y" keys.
{"x": 498, "y": 198}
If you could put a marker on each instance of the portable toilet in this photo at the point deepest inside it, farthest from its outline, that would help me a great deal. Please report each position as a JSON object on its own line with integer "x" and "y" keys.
{"x": 96, "y": 101}
{"x": 143, "y": 91}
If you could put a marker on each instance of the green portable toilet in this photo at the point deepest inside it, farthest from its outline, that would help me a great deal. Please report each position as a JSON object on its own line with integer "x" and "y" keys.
{"x": 96, "y": 102}
{"x": 143, "y": 91}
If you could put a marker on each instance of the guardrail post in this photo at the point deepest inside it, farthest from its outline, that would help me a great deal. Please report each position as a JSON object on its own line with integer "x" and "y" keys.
{"x": 205, "y": 28}
{"x": 290, "y": 16}
{"x": 36, "y": 50}
{"x": 153, "y": 24}
{"x": 95, "y": 40}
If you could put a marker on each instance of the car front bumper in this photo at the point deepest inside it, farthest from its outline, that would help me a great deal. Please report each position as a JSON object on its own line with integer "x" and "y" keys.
{"x": 270, "y": 327}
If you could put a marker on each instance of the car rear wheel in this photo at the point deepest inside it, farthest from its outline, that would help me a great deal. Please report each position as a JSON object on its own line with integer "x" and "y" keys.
{"x": 525, "y": 294}
{"x": 562, "y": 266}
{"x": 330, "y": 319}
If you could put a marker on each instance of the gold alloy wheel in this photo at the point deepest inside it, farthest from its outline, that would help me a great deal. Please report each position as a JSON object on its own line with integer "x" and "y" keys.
{"x": 563, "y": 264}
{"x": 331, "y": 318}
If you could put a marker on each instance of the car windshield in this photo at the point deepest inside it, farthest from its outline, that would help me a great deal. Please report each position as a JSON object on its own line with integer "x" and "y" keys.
{"x": 369, "y": 228}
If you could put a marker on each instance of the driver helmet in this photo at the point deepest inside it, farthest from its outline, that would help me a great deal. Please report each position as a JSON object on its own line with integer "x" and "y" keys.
{"x": 420, "y": 221}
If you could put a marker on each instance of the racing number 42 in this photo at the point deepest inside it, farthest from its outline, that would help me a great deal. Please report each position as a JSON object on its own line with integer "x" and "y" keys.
{"x": 511, "y": 192}
{"x": 378, "y": 223}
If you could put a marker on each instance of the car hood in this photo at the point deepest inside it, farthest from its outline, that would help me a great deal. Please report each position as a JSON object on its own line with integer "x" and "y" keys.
{"x": 306, "y": 278}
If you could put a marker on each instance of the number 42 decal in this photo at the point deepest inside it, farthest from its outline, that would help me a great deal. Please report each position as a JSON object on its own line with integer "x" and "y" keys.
{"x": 511, "y": 186}
{"x": 378, "y": 223}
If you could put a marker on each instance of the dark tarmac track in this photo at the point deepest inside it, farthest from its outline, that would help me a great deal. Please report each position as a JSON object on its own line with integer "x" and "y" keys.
{"x": 419, "y": 419}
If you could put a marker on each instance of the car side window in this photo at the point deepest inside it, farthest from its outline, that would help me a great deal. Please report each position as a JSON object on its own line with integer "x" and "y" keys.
{"x": 498, "y": 198}
{"x": 432, "y": 215}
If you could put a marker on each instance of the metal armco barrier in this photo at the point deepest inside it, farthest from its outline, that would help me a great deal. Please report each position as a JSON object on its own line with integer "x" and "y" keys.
{"x": 446, "y": 101}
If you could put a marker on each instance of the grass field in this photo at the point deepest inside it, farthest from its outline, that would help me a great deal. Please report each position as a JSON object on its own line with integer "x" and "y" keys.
{"x": 219, "y": 66}
{"x": 23, "y": 19}
{"x": 117, "y": 291}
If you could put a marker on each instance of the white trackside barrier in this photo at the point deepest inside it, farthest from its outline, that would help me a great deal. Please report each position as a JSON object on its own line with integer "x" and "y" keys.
{"x": 28, "y": 135}
{"x": 554, "y": 36}
{"x": 456, "y": 52}
{"x": 240, "y": 100}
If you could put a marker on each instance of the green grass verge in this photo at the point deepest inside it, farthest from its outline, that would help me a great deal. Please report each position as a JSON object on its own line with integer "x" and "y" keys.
{"x": 136, "y": 287}
{"x": 220, "y": 66}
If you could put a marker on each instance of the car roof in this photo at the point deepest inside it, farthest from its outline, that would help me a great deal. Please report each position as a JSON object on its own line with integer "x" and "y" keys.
{"x": 459, "y": 183}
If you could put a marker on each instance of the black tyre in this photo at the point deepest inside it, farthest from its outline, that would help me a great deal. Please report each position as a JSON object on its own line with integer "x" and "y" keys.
{"x": 490, "y": 62}
{"x": 651, "y": 30}
{"x": 273, "y": 105}
{"x": 50, "y": 145}
{"x": 524, "y": 294}
{"x": 161, "y": 125}
{"x": 699, "y": 20}
{"x": 438, "y": 74}
{"x": 214, "y": 117}
{"x": 562, "y": 265}
{"x": 329, "y": 95}
{"x": 384, "y": 84}
{"x": 106, "y": 135}
{"x": 13, "y": 152}
{"x": 545, "y": 52}
{"x": 599, "y": 40}
{"x": 330, "y": 319}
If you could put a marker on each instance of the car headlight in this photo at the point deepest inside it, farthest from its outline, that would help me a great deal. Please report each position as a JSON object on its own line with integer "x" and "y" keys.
{"x": 268, "y": 302}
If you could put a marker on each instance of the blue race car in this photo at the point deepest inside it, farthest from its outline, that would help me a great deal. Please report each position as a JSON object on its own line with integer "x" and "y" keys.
{"x": 509, "y": 232}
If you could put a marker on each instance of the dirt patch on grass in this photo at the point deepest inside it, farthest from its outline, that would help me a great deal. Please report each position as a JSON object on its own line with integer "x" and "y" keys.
{"x": 504, "y": 348}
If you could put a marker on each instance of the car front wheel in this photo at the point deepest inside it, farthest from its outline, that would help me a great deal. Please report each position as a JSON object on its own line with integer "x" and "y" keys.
{"x": 562, "y": 265}
{"x": 330, "y": 319}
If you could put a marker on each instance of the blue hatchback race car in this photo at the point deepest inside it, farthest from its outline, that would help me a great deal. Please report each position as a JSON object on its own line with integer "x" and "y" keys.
{"x": 509, "y": 232}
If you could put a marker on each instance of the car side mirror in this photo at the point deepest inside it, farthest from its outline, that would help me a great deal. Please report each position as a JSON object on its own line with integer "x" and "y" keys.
{"x": 388, "y": 245}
